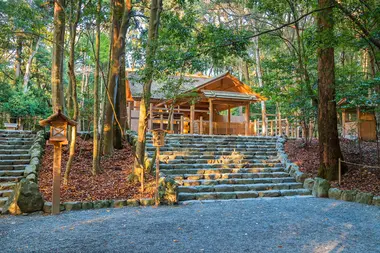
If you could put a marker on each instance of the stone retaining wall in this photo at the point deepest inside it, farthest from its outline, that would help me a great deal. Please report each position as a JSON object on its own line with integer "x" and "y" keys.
{"x": 320, "y": 187}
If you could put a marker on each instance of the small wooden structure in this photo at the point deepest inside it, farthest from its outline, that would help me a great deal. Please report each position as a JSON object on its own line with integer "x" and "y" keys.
{"x": 358, "y": 122}
{"x": 58, "y": 131}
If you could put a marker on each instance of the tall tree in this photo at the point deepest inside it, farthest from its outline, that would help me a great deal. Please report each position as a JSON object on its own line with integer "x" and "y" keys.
{"x": 74, "y": 20}
{"x": 96, "y": 148}
{"x": 329, "y": 147}
{"x": 154, "y": 21}
{"x": 121, "y": 15}
{"x": 58, "y": 50}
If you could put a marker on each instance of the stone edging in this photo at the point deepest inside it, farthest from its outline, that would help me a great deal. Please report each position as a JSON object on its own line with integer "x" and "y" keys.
{"x": 97, "y": 204}
{"x": 320, "y": 187}
{"x": 36, "y": 152}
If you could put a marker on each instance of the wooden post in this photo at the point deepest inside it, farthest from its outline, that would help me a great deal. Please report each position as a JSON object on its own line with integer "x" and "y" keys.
{"x": 161, "y": 121}
{"x": 56, "y": 178}
{"x": 210, "y": 117}
{"x": 192, "y": 120}
{"x": 182, "y": 124}
{"x": 150, "y": 117}
{"x": 303, "y": 133}
{"x": 287, "y": 127}
{"x": 247, "y": 119}
{"x": 254, "y": 127}
{"x": 229, "y": 119}
{"x": 279, "y": 123}
{"x": 298, "y": 132}
{"x": 157, "y": 201}
{"x": 129, "y": 112}
{"x": 201, "y": 125}
{"x": 343, "y": 123}
{"x": 271, "y": 127}
{"x": 358, "y": 128}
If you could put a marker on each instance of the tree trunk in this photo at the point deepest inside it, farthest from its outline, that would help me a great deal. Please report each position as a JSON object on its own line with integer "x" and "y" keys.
{"x": 154, "y": 20}
{"x": 260, "y": 79}
{"x": 120, "y": 23}
{"x": 73, "y": 84}
{"x": 18, "y": 58}
{"x": 29, "y": 65}
{"x": 120, "y": 105}
{"x": 96, "y": 142}
{"x": 57, "y": 61}
{"x": 329, "y": 147}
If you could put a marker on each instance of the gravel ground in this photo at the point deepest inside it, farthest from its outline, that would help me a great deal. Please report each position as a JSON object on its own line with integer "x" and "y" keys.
{"x": 259, "y": 225}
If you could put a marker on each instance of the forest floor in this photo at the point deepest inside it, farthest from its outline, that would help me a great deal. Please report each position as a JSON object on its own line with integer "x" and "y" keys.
{"x": 357, "y": 177}
{"x": 112, "y": 183}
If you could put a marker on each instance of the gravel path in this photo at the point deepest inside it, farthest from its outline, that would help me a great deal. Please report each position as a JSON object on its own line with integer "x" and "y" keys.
{"x": 258, "y": 225}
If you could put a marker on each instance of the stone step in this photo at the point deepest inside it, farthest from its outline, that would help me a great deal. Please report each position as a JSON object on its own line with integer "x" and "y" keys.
{"x": 3, "y": 200}
{"x": 216, "y": 165}
{"x": 13, "y": 167}
{"x": 220, "y": 170}
{"x": 13, "y": 151}
{"x": 219, "y": 161}
{"x": 198, "y": 136}
{"x": 241, "y": 194}
{"x": 14, "y": 162}
{"x": 239, "y": 187}
{"x": 15, "y": 142}
{"x": 214, "y": 153}
{"x": 5, "y": 193}
{"x": 14, "y": 156}
{"x": 2, "y": 146}
{"x": 11, "y": 173}
{"x": 231, "y": 181}
{"x": 10, "y": 179}
{"x": 16, "y": 138}
{"x": 7, "y": 185}
{"x": 210, "y": 149}
{"x": 246, "y": 178}
{"x": 216, "y": 144}
{"x": 17, "y": 135}
{"x": 233, "y": 156}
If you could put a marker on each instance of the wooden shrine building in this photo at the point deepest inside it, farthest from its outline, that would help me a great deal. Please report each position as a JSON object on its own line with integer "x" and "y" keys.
{"x": 202, "y": 105}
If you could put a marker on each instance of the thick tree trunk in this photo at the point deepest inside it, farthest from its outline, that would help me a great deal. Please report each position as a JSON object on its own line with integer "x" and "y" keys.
{"x": 154, "y": 20}
{"x": 120, "y": 23}
{"x": 73, "y": 84}
{"x": 96, "y": 142}
{"x": 29, "y": 65}
{"x": 120, "y": 106}
{"x": 329, "y": 147}
{"x": 58, "y": 50}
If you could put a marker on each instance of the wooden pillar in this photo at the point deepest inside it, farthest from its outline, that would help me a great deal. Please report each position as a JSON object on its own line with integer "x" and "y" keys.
{"x": 201, "y": 125}
{"x": 129, "y": 115}
{"x": 211, "y": 115}
{"x": 279, "y": 123}
{"x": 344, "y": 123}
{"x": 182, "y": 124}
{"x": 298, "y": 132}
{"x": 287, "y": 127}
{"x": 271, "y": 127}
{"x": 192, "y": 120}
{"x": 358, "y": 123}
{"x": 56, "y": 178}
{"x": 247, "y": 119}
{"x": 161, "y": 121}
{"x": 150, "y": 117}
{"x": 229, "y": 119}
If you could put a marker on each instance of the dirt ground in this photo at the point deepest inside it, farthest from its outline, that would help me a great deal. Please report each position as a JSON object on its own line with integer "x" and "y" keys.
{"x": 112, "y": 183}
{"x": 357, "y": 177}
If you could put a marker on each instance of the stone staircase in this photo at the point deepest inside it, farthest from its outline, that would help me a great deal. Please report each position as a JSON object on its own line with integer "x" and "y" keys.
{"x": 225, "y": 167}
{"x": 14, "y": 156}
